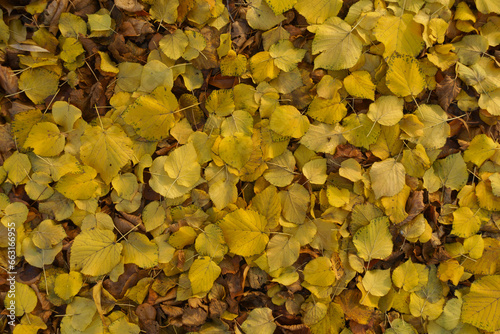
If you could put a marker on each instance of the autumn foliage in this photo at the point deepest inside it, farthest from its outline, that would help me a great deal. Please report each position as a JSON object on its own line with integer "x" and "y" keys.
{"x": 258, "y": 167}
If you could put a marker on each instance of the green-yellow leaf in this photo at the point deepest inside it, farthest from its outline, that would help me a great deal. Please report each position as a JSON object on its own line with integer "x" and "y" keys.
{"x": 259, "y": 321}
{"x": 339, "y": 48}
{"x": 29, "y": 83}
{"x": 374, "y": 241}
{"x": 317, "y": 11}
{"x": 18, "y": 167}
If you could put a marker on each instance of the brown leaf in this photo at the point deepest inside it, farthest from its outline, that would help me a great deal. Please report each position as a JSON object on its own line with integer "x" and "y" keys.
{"x": 129, "y": 5}
{"x": 8, "y": 80}
{"x": 194, "y": 317}
{"x": 361, "y": 314}
{"x": 447, "y": 90}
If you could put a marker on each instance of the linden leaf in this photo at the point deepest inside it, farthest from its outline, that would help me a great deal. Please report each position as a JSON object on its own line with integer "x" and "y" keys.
{"x": 282, "y": 251}
{"x": 406, "y": 276}
{"x": 339, "y": 47}
{"x": 259, "y": 321}
{"x": 202, "y": 274}
{"x": 359, "y": 84}
{"x": 18, "y": 167}
{"x": 106, "y": 150}
{"x": 78, "y": 186}
{"x": 287, "y": 121}
{"x": 319, "y": 272}
{"x": 317, "y": 11}
{"x": 236, "y": 150}
{"x": 29, "y": 83}
{"x": 399, "y": 34}
{"x": 295, "y": 202}
{"x": 95, "y": 252}
{"x": 244, "y": 231}
{"x": 481, "y": 305}
{"x": 173, "y": 45}
{"x": 152, "y": 116}
{"x": 45, "y": 139}
{"x": 386, "y": 110}
{"x": 377, "y": 282}
{"x": 261, "y": 17}
{"x": 285, "y": 56}
{"x": 321, "y": 137}
{"x": 211, "y": 242}
{"x": 388, "y": 177}
{"x": 436, "y": 129}
{"x": 68, "y": 285}
{"x": 465, "y": 222}
{"x": 24, "y": 299}
{"x": 48, "y": 234}
{"x": 374, "y": 241}
{"x": 138, "y": 249}
{"x": 315, "y": 171}
{"x": 280, "y": 6}
{"x": 480, "y": 149}
{"x": 404, "y": 76}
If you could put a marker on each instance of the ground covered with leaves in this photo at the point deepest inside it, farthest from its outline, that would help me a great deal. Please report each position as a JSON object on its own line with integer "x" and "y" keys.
{"x": 258, "y": 167}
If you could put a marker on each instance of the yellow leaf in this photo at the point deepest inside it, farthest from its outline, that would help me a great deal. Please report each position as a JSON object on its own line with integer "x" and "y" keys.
{"x": 285, "y": 55}
{"x": 481, "y": 307}
{"x": 317, "y": 11}
{"x": 18, "y": 167}
{"x": 388, "y": 178}
{"x": 78, "y": 186}
{"x": 377, "y": 282}
{"x": 106, "y": 150}
{"x": 450, "y": 270}
{"x": 95, "y": 252}
{"x": 315, "y": 171}
{"x": 319, "y": 272}
{"x": 263, "y": 67}
{"x": 374, "y": 241}
{"x": 387, "y": 110}
{"x": 211, "y": 242}
{"x": 339, "y": 47}
{"x": 261, "y": 17}
{"x": 138, "y": 249}
{"x": 286, "y": 120}
{"x": 404, "y": 76}
{"x": 236, "y": 150}
{"x": 465, "y": 222}
{"x": 282, "y": 251}
{"x": 24, "y": 299}
{"x": 174, "y": 44}
{"x": 259, "y": 321}
{"x": 295, "y": 202}
{"x": 29, "y": 82}
{"x": 406, "y": 276}
{"x": 244, "y": 231}
{"x": 152, "y": 116}
{"x": 359, "y": 84}
{"x": 68, "y": 285}
{"x": 399, "y": 34}
{"x": 480, "y": 149}
{"x": 281, "y": 170}
{"x": 48, "y": 234}
{"x": 202, "y": 274}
